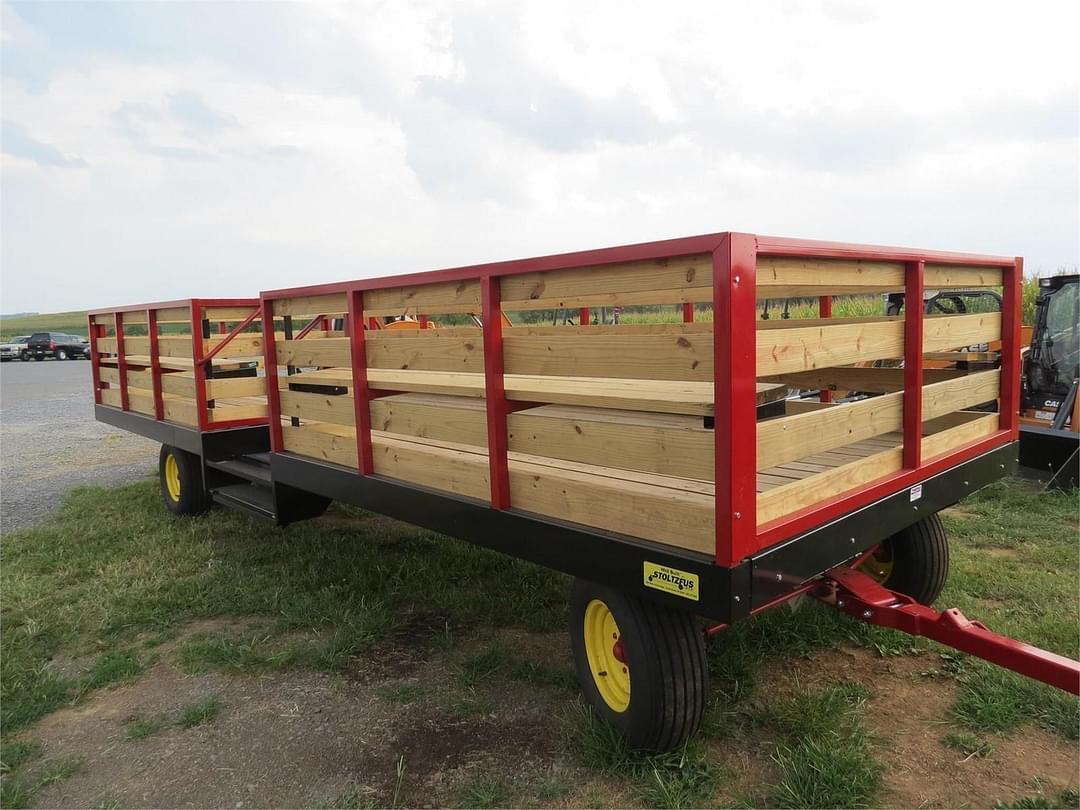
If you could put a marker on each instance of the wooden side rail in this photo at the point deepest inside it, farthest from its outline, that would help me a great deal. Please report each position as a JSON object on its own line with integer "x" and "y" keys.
{"x": 672, "y": 406}
{"x": 160, "y": 360}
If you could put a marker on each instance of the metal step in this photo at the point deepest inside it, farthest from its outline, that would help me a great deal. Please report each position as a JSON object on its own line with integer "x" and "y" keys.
{"x": 254, "y": 468}
{"x": 251, "y": 498}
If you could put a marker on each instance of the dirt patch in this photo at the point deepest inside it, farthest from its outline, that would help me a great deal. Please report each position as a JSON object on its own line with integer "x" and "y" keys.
{"x": 959, "y": 513}
{"x": 909, "y": 715}
{"x": 1001, "y": 553}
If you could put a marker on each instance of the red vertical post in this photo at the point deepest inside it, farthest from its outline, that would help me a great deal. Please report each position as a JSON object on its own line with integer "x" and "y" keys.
{"x": 495, "y": 392}
{"x": 372, "y": 323}
{"x": 1011, "y": 306}
{"x": 824, "y": 304}
{"x": 583, "y": 316}
{"x": 913, "y": 363}
{"x": 198, "y": 366}
{"x": 270, "y": 363}
{"x": 688, "y": 312}
{"x": 735, "y": 387}
{"x": 121, "y": 360}
{"x": 365, "y": 458}
{"x": 423, "y": 321}
{"x": 95, "y": 331}
{"x": 222, "y": 329}
{"x": 155, "y": 363}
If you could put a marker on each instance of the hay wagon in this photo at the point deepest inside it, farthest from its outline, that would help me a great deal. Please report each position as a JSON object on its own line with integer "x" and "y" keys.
{"x": 668, "y": 467}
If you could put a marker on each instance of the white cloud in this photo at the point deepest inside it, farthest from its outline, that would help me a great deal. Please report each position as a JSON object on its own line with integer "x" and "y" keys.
{"x": 360, "y": 139}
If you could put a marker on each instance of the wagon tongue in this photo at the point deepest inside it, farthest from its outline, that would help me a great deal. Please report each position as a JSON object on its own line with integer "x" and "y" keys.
{"x": 858, "y": 595}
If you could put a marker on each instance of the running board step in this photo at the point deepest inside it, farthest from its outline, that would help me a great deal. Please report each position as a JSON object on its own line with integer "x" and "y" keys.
{"x": 250, "y": 468}
{"x": 255, "y": 500}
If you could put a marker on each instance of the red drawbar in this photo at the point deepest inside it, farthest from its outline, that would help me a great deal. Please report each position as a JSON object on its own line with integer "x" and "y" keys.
{"x": 858, "y": 595}
{"x": 495, "y": 392}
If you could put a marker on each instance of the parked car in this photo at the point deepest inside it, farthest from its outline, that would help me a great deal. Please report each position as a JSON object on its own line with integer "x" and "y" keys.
{"x": 15, "y": 348}
{"x": 60, "y": 345}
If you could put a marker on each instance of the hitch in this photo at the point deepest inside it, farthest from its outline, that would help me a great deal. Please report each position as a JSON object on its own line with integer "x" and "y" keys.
{"x": 856, "y": 594}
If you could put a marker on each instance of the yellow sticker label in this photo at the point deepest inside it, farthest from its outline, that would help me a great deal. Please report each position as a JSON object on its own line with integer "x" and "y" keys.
{"x": 671, "y": 580}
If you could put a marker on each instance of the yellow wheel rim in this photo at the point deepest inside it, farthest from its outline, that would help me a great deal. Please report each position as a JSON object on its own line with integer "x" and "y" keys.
{"x": 879, "y": 565}
{"x": 172, "y": 477}
{"x": 607, "y": 659}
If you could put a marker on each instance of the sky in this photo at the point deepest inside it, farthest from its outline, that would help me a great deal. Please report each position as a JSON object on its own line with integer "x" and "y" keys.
{"x": 160, "y": 151}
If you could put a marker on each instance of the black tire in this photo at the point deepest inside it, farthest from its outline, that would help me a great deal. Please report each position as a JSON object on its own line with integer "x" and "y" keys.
{"x": 664, "y": 650}
{"x": 918, "y": 560}
{"x": 24, "y": 355}
{"x": 61, "y": 354}
{"x": 186, "y": 496}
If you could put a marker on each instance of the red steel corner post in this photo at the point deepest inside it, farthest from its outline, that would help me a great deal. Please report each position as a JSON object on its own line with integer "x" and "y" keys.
{"x": 1011, "y": 276}
{"x": 365, "y": 459}
{"x": 121, "y": 359}
{"x": 735, "y": 386}
{"x": 273, "y": 395}
{"x": 688, "y": 312}
{"x": 197, "y": 362}
{"x": 95, "y": 331}
{"x": 824, "y": 306}
{"x": 495, "y": 392}
{"x": 913, "y": 363}
{"x": 155, "y": 363}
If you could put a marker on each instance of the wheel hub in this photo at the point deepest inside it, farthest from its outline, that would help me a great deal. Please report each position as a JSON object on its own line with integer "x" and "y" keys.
{"x": 172, "y": 478}
{"x": 607, "y": 656}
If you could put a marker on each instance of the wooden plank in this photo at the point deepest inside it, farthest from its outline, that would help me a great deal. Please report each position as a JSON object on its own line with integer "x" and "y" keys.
{"x": 452, "y": 419}
{"x": 649, "y": 357}
{"x": 245, "y": 345}
{"x": 657, "y": 443}
{"x": 876, "y": 380}
{"x": 651, "y": 281}
{"x": 106, "y": 345}
{"x": 427, "y": 299}
{"x": 861, "y": 471}
{"x": 180, "y": 384}
{"x": 110, "y": 396}
{"x": 174, "y": 315}
{"x": 175, "y": 346}
{"x": 445, "y": 354}
{"x": 236, "y": 387}
{"x": 310, "y": 306}
{"x": 228, "y": 314}
{"x": 140, "y": 379}
{"x": 181, "y": 410}
{"x": 327, "y": 352}
{"x": 132, "y": 318}
{"x": 136, "y": 345}
{"x": 337, "y": 409}
{"x": 109, "y": 375}
{"x": 658, "y": 396}
{"x": 794, "y": 437}
{"x": 782, "y": 351}
{"x": 787, "y": 277}
{"x": 225, "y": 412}
{"x": 141, "y": 401}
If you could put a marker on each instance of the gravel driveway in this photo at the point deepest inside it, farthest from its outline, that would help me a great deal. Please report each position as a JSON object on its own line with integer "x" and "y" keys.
{"x": 49, "y": 441}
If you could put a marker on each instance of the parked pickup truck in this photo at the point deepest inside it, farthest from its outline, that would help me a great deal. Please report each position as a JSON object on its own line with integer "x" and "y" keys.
{"x": 15, "y": 349}
{"x": 60, "y": 345}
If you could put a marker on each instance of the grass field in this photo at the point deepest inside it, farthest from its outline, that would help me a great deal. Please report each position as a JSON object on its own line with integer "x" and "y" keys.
{"x": 128, "y": 594}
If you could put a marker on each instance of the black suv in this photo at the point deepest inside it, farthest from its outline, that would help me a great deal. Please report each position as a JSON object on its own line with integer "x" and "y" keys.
{"x": 56, "y": 344}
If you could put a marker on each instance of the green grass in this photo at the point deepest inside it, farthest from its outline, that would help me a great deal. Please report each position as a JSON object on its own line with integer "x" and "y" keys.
{"x": 486, "y": 792}
{"x": 113, "y": 566}
{"x": 113, "y": 577}
{"x": 204, "y": 711}
{"x": 686, "y": 777}
{"x": 968, "y": 744}
{"x": 70, "y": 322}
{"x": 14, "y": 753}
{"x": 1066, "y": 800}
{"x": 19, "y": 790}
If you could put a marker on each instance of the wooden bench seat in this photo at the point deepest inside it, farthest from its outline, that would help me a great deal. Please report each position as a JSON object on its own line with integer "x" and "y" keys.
{"x": 657, "y": 396}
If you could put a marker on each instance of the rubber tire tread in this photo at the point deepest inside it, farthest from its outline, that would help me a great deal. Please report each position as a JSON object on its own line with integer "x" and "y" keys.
{"x": 194, "y": 499}
{"x": 920, "y": 560}
{"x": 669, "y": 673}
